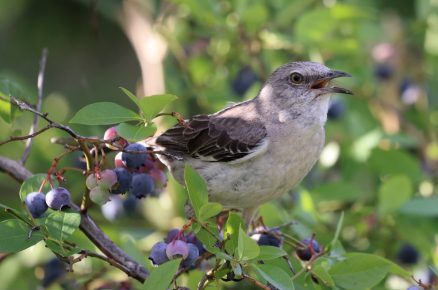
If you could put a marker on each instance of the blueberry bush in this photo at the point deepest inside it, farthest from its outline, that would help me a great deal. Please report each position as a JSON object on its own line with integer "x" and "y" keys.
{"x": 92, "y": 207}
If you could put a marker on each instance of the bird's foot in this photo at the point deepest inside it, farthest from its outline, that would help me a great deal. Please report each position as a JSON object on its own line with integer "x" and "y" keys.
{"x": 178, "y": 117}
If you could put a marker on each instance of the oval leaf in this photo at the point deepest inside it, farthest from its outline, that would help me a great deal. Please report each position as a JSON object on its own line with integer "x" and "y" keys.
{"x": 247, "y": 248}
{"x": 275, "y": 275}
{"x": 161, "y": 276}
{"x": 196, "y": 188}
{"x": 104, "y": 113}
{"x": 61, "y": 225}
{"x": 152, "y": 105}
{"x": 14, "y": 236}
{"x": 130, "y": 95}
{"x": 270, "y": 253}
{"x": 393, "y": 193}
{"x": 427, "y": 207}
{"x": 209, "y": 210}
{"x": 135, "y": 133}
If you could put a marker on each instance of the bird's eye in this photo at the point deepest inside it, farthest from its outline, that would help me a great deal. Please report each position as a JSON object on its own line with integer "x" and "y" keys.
{"x": 296, "y": 78}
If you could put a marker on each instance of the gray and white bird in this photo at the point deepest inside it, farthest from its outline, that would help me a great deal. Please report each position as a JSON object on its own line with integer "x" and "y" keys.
{"x": 254, "y": 151}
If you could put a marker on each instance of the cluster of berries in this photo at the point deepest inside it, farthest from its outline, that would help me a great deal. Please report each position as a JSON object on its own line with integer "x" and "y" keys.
{"x": 38, "y": 203}
{"x": 177, "y": 245}
{"x": 136, "y": 172}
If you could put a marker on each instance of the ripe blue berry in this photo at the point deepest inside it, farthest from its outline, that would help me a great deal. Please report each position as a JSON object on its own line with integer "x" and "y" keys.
{"x": 36, "y": 203}
{"x": 124, "y": 179}
{"x": 135, "y": 160}
{"x": 414, "y": 287}
{"x": 244, "y": 80}
{"x": 158, "y": 254}
{"x": 130, "y": 204}
{"x": 305, "y": 254}
{"x": 177, "y": 249}
{"x": 58, "y": 198}
{"x": 142, "y": 185}
{"x": 336, "y": 110}
{"x": 268, "y": 240}
{"x": 171, "y": 235}
{"x": 53, "y": 270}
{"x": 192, "y": 256}
{"x": 408, "y": 254}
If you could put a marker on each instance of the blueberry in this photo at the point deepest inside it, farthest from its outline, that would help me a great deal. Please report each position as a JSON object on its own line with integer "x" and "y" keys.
{"x": 58, "y": 198}
{"x": 91, "y": 181}
{"x": 244, "y": 80}
{"x": 192, "y": 256}
{"x": 176, "y": 249}
{"x": 135, "y": 160}
{"x": 191, "y": 238}
{"x": 36, "y": 203}
{"x": 111, "y": 133}
{"x": 336, "y": 109}
{"x": 408, "y": 254}
{"x": 158, "y": 254}
{"x": 53, "y": 271}
{"x": 305, "y": 254}
{"x": 124, "y": 178}
{"x": 171, "y": 235}
{"x": 413, "y": 287}
{"x": 142, "y": 185}
{"x": 113, "y": 208}
{"x": 269, "y": 240}
{"x": 130, "y": 204}
{"x": 384, "y": 71}
{"x": 107, "y": 178}
{"x": 99, "y": 195}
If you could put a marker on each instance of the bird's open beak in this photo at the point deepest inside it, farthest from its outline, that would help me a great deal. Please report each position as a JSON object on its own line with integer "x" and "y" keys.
{"x": 323, "y": 83}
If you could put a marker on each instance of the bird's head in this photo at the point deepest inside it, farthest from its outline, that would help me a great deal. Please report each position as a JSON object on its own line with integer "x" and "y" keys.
{"x": 302, "y": 86}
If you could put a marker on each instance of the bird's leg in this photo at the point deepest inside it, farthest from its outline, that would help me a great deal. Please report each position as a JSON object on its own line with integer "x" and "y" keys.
{"x": 178, "y": 117}
{"x": 248, "y": 215}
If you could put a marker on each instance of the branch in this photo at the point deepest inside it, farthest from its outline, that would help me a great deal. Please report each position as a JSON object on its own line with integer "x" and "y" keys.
{"x": 30, "y": 136}
{"x": 88, "y": 226}
{"x": 40, "y": 83}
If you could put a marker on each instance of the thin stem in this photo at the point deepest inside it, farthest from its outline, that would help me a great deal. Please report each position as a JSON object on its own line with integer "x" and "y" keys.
{"x": 40, "y": 86}
{"x": 255, "y": 282}
{"x": 29, "y": 137}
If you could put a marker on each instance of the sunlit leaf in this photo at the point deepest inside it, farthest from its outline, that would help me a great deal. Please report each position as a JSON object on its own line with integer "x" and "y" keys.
{"x": 104, "y": 113}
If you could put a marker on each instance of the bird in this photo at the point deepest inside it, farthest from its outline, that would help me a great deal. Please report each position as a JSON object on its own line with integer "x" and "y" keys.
{"x": 254, "y": 151}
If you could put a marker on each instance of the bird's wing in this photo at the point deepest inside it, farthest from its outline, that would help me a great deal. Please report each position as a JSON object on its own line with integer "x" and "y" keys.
{"x": 215, "y": 138}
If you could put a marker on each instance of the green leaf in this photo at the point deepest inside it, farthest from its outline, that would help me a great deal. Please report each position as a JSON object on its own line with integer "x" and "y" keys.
{"x": 209, "y": 210}
{"x": 130, "y": 95}
{"x": 33, "y": 184}
{"x": 426, "y": 207}
{"x": 152, "y": 105}
{"x": 321, "y": 273}
{"x": 247, "y": 248}
{"x": 135, "y": 133}
{"x": 61, "y": 225}
{"x": 104, "y": 113}
{"x": 363, "y": 271}
{"x": 231, "y": 234}
{"x": 5, "y": 110}
{"x": 161, "y": 276}
{"x": 208, "y": 240}
{"x": 275, "y": 275}
{"x": 61, "y": 248}
{"x": 196, "y": 188}
{"x": 14, "y": 236}
{"x": 5, "y": 214}
{"x": 393, "y": 193}
{"x": 386, "y": 162}
{"x": 270, "y": 253}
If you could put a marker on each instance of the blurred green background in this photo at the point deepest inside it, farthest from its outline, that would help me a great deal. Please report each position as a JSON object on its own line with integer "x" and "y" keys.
{"x": 380, "y": 163}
